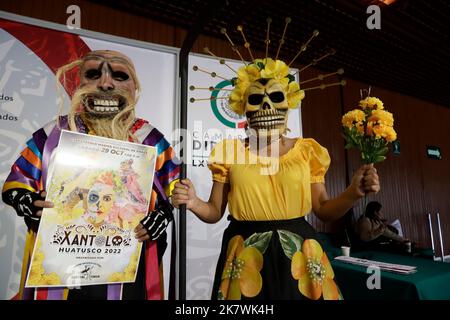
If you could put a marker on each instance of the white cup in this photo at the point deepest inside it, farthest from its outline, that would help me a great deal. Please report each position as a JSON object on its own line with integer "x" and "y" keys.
{"x": 345, "y": 251}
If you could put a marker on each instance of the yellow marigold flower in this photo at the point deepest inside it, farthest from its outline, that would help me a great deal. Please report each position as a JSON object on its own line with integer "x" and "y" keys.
{"x": 314, "y": 273}
{"x": 294, "y": 95}
{"x": 369, "y": 129}
{"x": 389, "y": 134}
{"x": 379, "y": 130}
{"x": 236, "y": 101}
{"x": 383, "y": 117}
{"x": 253, "y": 72}
{"x": 248, "y": 74}
{"x": 245, "y": 76}
{"x": 241, "y": 272}
{"x": 285, "y": 83}
{"x": 359, "y": 127}
{"x": 353, "y": 117}
{"x": 384, "y": 131}
{"x": 371, "y": 103}
{"x": 275, "y": 69}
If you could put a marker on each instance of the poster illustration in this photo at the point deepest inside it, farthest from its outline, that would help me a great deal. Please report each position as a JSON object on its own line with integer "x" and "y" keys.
{"x": 100, "y": 189}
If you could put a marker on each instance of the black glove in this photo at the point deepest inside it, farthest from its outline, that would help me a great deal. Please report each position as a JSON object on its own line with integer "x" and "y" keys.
{"x": 157, "y": 221}
{"x": 22, "y": 201}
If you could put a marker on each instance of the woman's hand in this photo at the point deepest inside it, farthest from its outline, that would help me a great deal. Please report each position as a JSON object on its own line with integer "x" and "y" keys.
{"x": 184, "y": 193}
{"x": 364, "y": 181}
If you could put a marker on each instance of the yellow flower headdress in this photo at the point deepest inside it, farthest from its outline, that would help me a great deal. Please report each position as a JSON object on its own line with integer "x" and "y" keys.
{"x": 266, "y": 68}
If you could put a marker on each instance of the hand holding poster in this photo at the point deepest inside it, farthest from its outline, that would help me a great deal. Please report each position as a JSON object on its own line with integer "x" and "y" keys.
{"x": 100, "y": 189}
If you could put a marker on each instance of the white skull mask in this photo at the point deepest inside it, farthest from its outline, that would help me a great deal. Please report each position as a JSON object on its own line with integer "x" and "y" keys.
{"x": 266, "y": 106}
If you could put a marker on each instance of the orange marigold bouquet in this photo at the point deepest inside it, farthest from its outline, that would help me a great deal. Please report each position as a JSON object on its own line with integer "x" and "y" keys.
{"x": 369, "y": 129}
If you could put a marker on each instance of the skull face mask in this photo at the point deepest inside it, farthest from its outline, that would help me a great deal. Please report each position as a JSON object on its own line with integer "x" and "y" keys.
{"x": 108, "y": 83}
{"x": 106, "y": 98}
{"x": 266, "y": 106}
{"x": 265, "y": 91}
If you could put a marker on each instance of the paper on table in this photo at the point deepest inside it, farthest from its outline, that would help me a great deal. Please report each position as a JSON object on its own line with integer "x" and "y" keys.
{"x": 397, "y": 268}
{"x": 397, "y": 225}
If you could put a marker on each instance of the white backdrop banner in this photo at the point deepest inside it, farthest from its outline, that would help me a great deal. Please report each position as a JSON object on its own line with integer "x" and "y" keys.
{"x": 210, "y": 121}
{"x": 29, "y": 56}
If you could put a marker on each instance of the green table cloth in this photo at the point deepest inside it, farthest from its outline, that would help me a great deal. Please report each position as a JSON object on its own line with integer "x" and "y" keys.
{"x": 430, "y": 282}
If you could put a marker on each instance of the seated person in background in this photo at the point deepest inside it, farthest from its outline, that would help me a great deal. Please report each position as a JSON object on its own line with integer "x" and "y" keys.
{"x": 372, "y": 228}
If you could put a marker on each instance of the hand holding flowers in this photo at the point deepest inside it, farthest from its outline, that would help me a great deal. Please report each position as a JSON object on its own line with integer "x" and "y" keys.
{"x": 369, "y": 129}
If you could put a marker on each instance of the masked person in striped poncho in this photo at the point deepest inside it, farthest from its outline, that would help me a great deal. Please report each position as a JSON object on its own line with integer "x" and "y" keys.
{"x": 103, "y": 105}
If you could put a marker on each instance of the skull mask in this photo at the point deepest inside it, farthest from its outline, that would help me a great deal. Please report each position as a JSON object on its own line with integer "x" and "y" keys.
{"x": 266, "y": 106}
{"x": 108, "y": 82}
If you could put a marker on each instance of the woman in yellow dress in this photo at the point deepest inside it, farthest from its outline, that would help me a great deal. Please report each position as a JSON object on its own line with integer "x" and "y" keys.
{"x": 270, "y": 183}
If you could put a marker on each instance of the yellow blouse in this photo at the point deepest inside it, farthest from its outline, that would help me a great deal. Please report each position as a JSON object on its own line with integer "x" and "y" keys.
{"x": 269, "y": 188}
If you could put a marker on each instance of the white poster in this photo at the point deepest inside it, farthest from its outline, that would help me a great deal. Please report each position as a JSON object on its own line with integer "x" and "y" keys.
{"x": 210, "y": 121}
{"x": 101, "y": 190}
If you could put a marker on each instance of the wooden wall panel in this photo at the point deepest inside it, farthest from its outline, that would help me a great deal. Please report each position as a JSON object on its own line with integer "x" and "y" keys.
{"x": 412, "y": 184}
{"x": 321, "y": 113}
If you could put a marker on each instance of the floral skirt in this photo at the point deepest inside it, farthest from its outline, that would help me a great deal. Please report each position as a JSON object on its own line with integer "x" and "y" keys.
{"x": 280, "y": 259}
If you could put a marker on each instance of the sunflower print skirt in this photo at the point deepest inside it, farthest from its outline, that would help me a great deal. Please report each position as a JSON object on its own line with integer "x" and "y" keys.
{"x": 280, "y": 259}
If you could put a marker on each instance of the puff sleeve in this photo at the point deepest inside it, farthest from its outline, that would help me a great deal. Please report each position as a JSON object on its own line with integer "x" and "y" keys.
{"x": 217, "y": 162}
{"x": 319, "y": 161}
